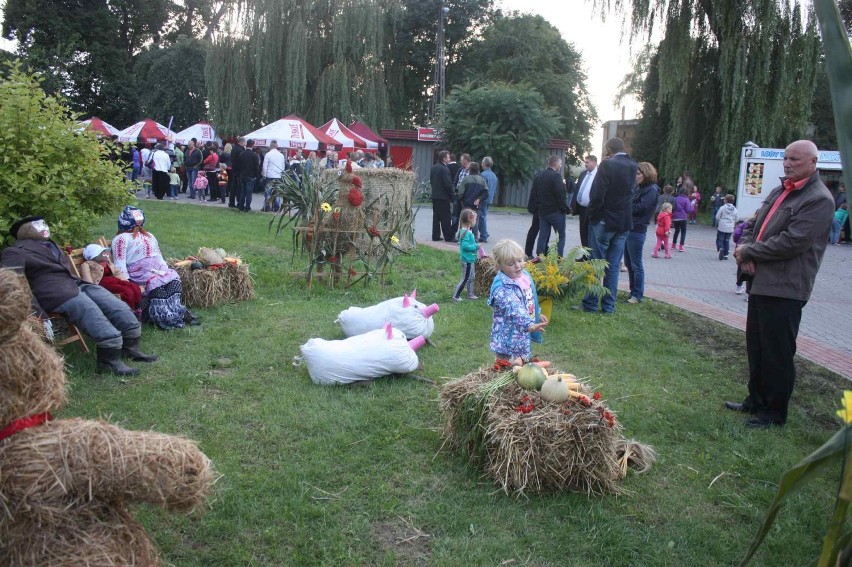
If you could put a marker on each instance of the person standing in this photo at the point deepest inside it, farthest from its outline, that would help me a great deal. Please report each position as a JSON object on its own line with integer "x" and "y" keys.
{"x": 581, "y": 202}
{"x": 552, "y": 205}
{"x": 717, "y": 199}
{"x": 680, "y": 213}
{"x": 249, "y": 172}
{"x": 160, "y": 166}
{"x": 610, "y": 215}
{"x": 782, "y": 251}
{"x": 457, "y": 181}
{"x": 442, "y": 196}
{"x": 274, "y": 165}
{"x": 726, "y": 220}
{"x": 235, "y": 182}
{"x": 210, "y": 165}
{"x": 644, "y": 202}
{"x": 192, "y": 161}
{"x": 491, "y": 181}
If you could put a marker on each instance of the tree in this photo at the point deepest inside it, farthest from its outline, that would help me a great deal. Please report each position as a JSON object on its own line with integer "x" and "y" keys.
{"x": 51, "y": 168}
{"x": 510, "y": 123}
{"x": 173, "y": 81}
{"x": 527, "y": 49}
{"x": 729, "y": 72}
{"x": 653, "y": 129}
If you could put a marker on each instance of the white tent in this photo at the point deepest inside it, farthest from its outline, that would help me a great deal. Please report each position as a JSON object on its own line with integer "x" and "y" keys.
{"x": 148, "y": 130}
{"x": 203, "y": 132}
{"x": 349, "y": 139}
{"x": 293, "y": 132}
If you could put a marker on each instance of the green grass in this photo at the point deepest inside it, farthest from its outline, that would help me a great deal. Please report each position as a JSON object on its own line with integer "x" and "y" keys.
{"x": 337, "y": 476}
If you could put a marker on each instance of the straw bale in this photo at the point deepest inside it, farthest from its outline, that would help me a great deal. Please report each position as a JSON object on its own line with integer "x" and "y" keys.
{"x": 486, "y": 269}
{"x": 206, "y": 288}
{"x": 15, "y": 305}
{"x": 555, "y": 447}
{"x": 90, "y": 534}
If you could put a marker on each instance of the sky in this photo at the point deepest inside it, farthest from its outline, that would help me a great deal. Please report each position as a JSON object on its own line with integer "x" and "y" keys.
{"x": 606, "y": 55}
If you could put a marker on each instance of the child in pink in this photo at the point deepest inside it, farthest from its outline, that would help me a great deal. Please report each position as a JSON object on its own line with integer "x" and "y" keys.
{"x": 664, "y": 225}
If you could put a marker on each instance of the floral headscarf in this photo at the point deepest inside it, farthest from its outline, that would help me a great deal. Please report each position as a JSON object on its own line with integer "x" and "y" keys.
{"x": 130, "y": 218}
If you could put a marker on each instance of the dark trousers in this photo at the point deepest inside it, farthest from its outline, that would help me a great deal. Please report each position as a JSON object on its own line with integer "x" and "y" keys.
{"x": 582, "y": 212}
{"x": 160, "y": 184}
{"x": 772, "y": 325}
{"x": 212, "y": 184}
{"x": 679, "y": 229}
{"x": 234, "y": 184}
{"x": 532, "y": 233}
{"x": 441, "y": 219}
{"x": 723, "y": 241}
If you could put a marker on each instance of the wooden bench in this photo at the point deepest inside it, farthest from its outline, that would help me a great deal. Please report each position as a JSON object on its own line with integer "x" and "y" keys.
{"x": 72, "y": 333}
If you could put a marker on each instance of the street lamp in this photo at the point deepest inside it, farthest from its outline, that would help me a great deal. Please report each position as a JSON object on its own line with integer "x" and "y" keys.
{"x": 439, "y": 84}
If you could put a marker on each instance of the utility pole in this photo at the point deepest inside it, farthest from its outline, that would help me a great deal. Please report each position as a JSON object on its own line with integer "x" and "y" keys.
{"x": 439, "y": 83}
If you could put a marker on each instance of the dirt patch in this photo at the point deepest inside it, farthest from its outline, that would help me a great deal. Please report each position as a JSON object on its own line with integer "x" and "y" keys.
{"x": 410, "y": 545}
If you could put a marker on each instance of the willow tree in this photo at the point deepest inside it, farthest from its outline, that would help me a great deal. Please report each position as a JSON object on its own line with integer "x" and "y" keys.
{"x": 729, "y": 71}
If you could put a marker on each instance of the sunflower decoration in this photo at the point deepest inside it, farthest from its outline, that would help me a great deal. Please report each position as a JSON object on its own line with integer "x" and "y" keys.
{"x": 548, "y": 277}
{"x": 562, "y": 278}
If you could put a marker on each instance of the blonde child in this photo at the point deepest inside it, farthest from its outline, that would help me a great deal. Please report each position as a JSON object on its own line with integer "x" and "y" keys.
{"x": 513, "y": 297}
{"x": 664, "y": 225}
{"x": 467, "y": 250}
{"x": 222, "y": 178}
{"x": 200, "y": 186}
{"x": 174, "y": 183}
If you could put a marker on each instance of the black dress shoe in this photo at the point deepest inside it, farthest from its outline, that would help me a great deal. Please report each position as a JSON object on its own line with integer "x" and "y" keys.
{"x": 735, "y": 406}
{"x": 761, "y": 423}
{"x": 452, "y": 241}
{"x": 437, "y": 239}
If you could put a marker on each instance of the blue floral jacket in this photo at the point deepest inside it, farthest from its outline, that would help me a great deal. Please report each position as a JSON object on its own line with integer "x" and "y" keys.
{"x": 509, "y": 333}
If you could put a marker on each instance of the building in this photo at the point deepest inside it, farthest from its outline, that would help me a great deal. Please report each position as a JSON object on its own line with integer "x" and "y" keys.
{"x": 624, "y": 129}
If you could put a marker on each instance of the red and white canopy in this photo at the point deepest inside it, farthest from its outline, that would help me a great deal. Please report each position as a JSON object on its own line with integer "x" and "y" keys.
{"x": 98, "y": 126}
{"x": 293, "y": 132}
{"x": 344, "y": 135}
{"x": 364, "y": 131}
{"x": 203, "y": 132}
{"x": 148, "y": 130}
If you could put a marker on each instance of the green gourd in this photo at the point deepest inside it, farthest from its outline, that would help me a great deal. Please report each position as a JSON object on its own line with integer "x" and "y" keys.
{"x": 531, "y": 376}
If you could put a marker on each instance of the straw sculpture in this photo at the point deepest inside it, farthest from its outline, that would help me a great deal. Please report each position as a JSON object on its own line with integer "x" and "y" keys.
{"x": 527, "y": 445}
{"x": 65, "y": 484}
{"x": 486, "y": 269}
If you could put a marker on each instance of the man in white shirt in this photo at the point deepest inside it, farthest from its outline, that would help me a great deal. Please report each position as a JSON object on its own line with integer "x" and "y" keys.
{"x": 274, "y": 165}
{"x": 581, "y": 204}
{"x": 160, "y": 175}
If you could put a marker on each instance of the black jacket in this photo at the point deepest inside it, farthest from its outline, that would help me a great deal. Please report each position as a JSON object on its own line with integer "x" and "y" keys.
{"x": 235, "y": 159}
{"x": 611, "y": 196}
{"x": 249, "y": 164}
{"x": 644, "y": 205}
{"x": 441, "y": 182}
{"x": 548, "y": 190}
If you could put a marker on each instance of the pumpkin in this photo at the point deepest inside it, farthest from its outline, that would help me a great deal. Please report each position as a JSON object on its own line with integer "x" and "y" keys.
{"x": 531, "y": 376}
{"x": 556, "y": 391}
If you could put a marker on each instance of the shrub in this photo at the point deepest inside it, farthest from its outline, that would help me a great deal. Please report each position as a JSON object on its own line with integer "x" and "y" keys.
{"x": 48, "y": 167}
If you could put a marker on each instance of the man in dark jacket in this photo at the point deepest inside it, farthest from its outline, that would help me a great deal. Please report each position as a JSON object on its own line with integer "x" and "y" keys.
{"x": 782, "y": 251}
{"x": 57, "y": 288}
{"x": 610, "y": 215}
{"x": 235, "y": 183}
{"x": 549, "y": 191}
{"x": 249, "y": 172}
{"x": 442, "y": 196}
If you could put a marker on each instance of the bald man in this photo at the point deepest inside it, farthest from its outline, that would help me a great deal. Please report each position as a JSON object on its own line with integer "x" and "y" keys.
{"x": 781, "y": 252}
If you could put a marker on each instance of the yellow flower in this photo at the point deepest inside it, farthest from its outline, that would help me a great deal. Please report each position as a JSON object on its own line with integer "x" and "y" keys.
{"x": 394, "y": 240}
{"x": 326, "y": 208}
{"x": 846, "y": 413}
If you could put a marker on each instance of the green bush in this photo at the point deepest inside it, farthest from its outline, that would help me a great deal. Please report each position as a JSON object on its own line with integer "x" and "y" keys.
{"x": 48, "y": 167}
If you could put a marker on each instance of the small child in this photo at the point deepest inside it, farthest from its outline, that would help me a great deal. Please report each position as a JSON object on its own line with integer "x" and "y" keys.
{"x": 222, "y": 177}
{"x": 174, "y": 183}
{"x": 840, "y": 216}
{"x": 513, "y": 297}
{"x": 664, "y": 225}
{"x": 200, "y": 187}
{"x": 694, "y": 200}
{"x": 738, "y": 235}
{"x": 467, "y": 249}
{"x": 726, "y": 219}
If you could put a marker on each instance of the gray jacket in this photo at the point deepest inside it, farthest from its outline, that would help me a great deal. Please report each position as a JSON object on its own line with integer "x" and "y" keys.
{"x": 726, "y": 217}
{"x": 788, "y": 256}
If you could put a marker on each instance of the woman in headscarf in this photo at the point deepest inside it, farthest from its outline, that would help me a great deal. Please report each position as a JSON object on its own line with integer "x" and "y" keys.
{"x": 135, "y": 252}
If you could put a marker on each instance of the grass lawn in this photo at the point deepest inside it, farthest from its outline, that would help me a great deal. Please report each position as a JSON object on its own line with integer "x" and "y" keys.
{"x": 356, "y": 476}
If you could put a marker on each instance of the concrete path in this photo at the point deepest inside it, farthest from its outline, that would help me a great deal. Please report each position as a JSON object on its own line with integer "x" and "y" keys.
{"x": 696, "y": 280}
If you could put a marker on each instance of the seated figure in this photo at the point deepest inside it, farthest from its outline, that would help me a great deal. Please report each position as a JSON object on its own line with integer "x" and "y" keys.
{"x": 56, "y": 288}
{"x": 98, "y": 270}
{"x": 136, "y": 253}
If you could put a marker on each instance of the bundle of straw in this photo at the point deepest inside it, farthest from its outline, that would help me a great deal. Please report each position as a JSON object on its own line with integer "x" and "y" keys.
{"x": 554, "y": 447}
{"x": 206, "y": 288}
{"x": 486, "y": 269}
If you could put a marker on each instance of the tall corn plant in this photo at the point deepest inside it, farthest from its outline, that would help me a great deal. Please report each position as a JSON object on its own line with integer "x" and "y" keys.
{"x": 837, "y": 545}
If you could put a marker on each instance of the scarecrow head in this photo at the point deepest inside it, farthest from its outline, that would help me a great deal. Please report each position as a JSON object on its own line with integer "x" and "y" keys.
{"x": 30, "y": 228}
{"x": 130, "y": 218}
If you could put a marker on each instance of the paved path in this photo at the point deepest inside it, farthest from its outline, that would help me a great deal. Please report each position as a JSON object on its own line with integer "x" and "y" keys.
{"x": 698, "y": 281}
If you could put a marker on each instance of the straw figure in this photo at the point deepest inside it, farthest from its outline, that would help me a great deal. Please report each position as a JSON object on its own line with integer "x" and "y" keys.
{"x": 65, "y": 484}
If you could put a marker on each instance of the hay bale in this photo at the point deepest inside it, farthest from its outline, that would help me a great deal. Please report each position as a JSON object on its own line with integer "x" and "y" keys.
{"x": 553, "y": 448}
{"x": 205, "y": 287}
{"x": 16, "y": 303}
{"x": 486, "y": 269}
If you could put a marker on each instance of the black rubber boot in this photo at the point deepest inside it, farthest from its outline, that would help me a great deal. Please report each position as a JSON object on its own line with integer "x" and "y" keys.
{"x": 190, "y": 319}
{"x": 131, "y": 349}
{"x": 109, "y": 360}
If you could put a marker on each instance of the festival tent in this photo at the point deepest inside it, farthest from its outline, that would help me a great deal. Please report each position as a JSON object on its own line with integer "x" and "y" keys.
{"x": 148, "y": 130}
{"x": 293, "y": 132}
{"x": 98, "y": 126}
{"x": 344, "y": 135}
{"x": 371, "y": 137}
{"x": 203, "y": 132}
